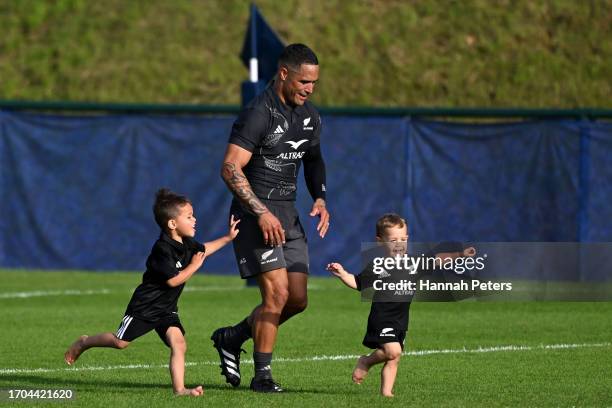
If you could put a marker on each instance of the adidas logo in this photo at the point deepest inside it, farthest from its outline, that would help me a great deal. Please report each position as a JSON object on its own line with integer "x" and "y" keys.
{"x": 178, "y": 264}
{"x": 279, "y": 130}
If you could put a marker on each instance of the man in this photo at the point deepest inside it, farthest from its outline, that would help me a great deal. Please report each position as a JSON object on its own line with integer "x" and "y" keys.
{"x": 273, "y": 134}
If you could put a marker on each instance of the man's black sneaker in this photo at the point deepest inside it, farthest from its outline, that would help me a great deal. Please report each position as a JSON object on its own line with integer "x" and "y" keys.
{"x": 265, "y": 385}
{"x": 229, "y": 356}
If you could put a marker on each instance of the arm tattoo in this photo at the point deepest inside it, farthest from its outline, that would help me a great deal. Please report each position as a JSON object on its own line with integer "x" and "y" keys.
{"x": 240, "y": 187}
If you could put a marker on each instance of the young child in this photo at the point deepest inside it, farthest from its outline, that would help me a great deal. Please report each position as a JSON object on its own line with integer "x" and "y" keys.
{"x": 388, "y": 320}
{"x": 174, "y": 258}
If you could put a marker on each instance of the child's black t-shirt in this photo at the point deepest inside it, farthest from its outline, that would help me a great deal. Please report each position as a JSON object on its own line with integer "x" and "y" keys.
{"x": 153, "y": 299}
{"x": 389, "y": 308}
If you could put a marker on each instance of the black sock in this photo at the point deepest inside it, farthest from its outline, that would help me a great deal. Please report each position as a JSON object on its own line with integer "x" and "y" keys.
{"x": 240, "y": 333}
{"x": 262, "y": 365}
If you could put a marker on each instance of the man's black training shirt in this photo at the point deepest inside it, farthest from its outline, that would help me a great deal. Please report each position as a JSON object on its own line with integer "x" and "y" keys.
{"x": 279, "y": 137}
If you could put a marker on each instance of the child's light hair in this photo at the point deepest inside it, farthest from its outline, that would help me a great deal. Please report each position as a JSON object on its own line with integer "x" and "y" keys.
{"x": 389, "y": 220}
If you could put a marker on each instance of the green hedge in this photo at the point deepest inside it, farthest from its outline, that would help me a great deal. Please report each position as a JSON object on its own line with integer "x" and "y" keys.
{"x": 373, "y": 53}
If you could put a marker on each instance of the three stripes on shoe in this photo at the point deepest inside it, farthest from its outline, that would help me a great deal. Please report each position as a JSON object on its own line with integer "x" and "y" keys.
{"x": 230, "y": 362}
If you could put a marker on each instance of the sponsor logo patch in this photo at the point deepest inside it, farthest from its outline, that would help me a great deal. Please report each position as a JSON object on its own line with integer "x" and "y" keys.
{"x": 386, "y": 332}
{"x": 306, "y": 123}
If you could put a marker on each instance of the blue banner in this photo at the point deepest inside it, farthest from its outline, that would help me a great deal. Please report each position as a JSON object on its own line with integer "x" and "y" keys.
{"x": 77, "y": 191}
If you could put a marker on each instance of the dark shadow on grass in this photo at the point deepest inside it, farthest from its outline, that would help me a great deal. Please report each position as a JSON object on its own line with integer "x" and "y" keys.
{"x": 314, "y": 391}
{"x": 34, "y": 381}
{"x": 46, "y": 381}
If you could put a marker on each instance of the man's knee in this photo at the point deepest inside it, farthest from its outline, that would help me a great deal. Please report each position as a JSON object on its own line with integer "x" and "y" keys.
{"x": 298, "y": 293}
{"x": 276, "y": 298}
{"x": 274, "y": 288}
{"x": 298, "y": 305}
{"x": 301, "y": 306}
{"x": 279, "y": 297}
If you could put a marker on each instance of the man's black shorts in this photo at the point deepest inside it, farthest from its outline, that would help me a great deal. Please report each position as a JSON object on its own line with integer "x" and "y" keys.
{"x": 377, "y": 336}
{"x": 131, "y": 327}
{"x": 255, "y": 257}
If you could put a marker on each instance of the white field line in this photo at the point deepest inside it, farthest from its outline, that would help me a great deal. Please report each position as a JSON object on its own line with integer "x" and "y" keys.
{"x": 416, "y": 353}
{"x": 39, "y": 293}
{"x": 71, "y": 292}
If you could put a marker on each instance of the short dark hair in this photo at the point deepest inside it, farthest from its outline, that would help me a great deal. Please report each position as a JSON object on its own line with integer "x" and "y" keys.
{"x": 387, "y": 221}
{"x": 167, "y": 206}
{"x": 294, "y": 55}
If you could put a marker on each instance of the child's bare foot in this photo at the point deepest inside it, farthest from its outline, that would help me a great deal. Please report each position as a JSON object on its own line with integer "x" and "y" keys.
{"x": 388, "y": 394}
{"x": 74, "y": 351}
{"x": 192, "y": 392}
{"x": 361, "y": 370}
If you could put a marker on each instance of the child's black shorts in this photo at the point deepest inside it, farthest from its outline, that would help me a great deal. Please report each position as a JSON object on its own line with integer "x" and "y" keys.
{"x": 131, "y": 327}
{"x": 376, "y": 337}
{"x": 254, "y": 256}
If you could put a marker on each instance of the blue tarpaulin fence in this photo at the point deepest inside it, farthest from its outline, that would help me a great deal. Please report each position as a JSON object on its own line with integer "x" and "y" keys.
{"x": 77, "y": 191}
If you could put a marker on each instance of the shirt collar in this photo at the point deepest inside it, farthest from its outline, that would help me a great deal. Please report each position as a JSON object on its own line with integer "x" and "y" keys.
{"x": 175, "y": 244}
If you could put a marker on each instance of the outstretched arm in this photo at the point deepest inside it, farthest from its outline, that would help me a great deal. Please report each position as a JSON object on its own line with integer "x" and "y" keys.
{"x": 445, "y": 251}
{"x": 337, "y": 270}
{"x": 215, "y": 245}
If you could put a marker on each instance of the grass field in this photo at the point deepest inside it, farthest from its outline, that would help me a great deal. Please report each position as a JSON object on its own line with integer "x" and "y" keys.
{"x": 459, "y": 354}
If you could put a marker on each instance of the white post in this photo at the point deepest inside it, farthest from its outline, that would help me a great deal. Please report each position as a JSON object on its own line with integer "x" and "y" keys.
{"x": 253, "y": 70}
